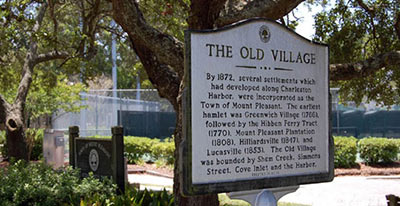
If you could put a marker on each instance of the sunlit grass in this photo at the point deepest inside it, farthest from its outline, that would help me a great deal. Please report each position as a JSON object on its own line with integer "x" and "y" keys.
{"x": 224, "y": 200}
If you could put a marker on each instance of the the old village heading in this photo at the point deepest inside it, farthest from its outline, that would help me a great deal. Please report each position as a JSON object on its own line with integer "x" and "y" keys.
{"x": 226, "y": 51}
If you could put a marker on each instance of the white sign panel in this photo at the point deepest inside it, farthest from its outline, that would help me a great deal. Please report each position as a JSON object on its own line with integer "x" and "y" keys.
{"x": 259, "y": 104}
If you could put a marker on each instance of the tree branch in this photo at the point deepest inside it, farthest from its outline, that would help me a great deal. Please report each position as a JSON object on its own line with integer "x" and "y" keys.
{"x": 166, "y": 48}
{"x": 397, "y": 25}
{"x": 30, "y": 60}
{"x": 363, "y": 68}
{"x": 89, "y": 27}
{"x": 203, "y": 13}
{"x": 51, "y": 56}
{"x": 368, "y": 9}
{"x": 166, "y": 81}
{"x": 53, "y": 18}
{"x": 257, "y": 8}
{"x": 371, "y": 13}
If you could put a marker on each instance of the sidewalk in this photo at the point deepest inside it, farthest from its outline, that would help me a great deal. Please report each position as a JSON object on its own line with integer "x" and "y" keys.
{"x": 151, "y": 182}
{"x": 342, "y": 191}
{"x": 347, "y": 191}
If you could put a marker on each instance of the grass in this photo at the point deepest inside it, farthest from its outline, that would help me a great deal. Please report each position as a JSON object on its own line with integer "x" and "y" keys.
{"x": 290, "y": 204}
{"x": 224, "y": 200}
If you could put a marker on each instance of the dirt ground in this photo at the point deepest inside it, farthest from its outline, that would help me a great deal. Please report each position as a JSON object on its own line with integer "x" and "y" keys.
{"x": 370, "y": 170}
{"x": 151, "y": 168}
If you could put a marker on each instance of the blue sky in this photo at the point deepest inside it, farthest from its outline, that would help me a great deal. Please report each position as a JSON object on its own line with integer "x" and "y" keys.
{"x": 305, "y": 27}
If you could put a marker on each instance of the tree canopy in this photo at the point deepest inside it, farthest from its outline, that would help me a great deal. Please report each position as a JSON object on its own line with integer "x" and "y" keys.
{"x": 45, "y": 42}
{"x": 351, "y": 27}
{"x": 74, "y": 45}
{"x": 366, "y": 32}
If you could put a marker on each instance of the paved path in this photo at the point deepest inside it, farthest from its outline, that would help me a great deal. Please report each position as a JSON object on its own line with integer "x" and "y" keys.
{"x": 347, "y": 191}
{"x": 342, "y": 191}
{"x": 151, "y": 182}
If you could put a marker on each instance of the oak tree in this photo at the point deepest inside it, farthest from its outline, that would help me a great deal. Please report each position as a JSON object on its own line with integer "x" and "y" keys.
{"x": 41, "y": 41}
{"x": 364, "y": 39}
{"x": 161, "y": 51}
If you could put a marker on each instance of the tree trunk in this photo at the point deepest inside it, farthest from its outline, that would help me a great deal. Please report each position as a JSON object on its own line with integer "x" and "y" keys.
{"x": 168, "y": 87}
{"x": 14, "y": 114}
{"x": 163, "y": 55}
{"x": 209, "y": 200}
{"x": 15, "y": 135}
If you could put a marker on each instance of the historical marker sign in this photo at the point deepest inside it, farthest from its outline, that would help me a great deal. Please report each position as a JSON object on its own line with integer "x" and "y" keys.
{"x": 257, "y": 109}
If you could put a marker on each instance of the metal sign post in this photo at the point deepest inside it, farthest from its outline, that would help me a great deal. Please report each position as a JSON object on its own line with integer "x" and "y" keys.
{"x": 264, "y": 197}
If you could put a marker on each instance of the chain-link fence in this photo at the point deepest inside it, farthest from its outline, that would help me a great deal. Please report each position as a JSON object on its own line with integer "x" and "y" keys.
{"x": 144, "y": 113}
{"x": 141, "y": 112}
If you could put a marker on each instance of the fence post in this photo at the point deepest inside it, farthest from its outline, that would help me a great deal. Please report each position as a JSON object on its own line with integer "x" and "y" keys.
{"x": 118, "y": 157}
{"x": 73, "y": 133}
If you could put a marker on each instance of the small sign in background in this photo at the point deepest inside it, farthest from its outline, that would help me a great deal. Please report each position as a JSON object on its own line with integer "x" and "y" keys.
{"x": 103, "y": 157}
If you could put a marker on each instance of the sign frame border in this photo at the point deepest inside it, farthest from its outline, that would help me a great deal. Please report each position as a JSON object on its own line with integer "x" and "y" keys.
{"x": 185, "y": 163}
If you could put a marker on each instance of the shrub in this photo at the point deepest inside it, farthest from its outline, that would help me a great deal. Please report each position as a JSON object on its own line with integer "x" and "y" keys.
{"x": 25, "y": 184}
{"x": 38, "y": 184}
{"x": 164, "y": 151}
{"x": 143, "y": 198}
{"x": 375, "y": 150}
{"x": 345, "y": 151}
{"x": 137, "y": 148}
{"x": 397, "y": 142}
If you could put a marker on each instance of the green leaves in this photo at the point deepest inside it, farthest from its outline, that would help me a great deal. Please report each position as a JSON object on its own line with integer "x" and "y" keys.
{"x": 164, "y": 151}
{"x": 167, "y": 16}
{"x": 143, "y": 148}
{"x": 372, "y": 150}
{"x": 345, "y": 151}
{"x": 51, "y": 92}
{"x": 144, "y": 198}
{"x": 38, "y": 184}
{"x": 355, "y": 34}
{"x": 378, "y": 150}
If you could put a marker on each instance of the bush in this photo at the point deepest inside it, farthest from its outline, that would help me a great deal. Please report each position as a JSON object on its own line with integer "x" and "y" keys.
{"x": 137, "y": 148}
{"x": 38, "y": 184}
{"x": 143, "y": 198}
{"x": 378, "y": 150}
{"x": 164, "y": 151}
{"x": 397, "y": 142}
{"x": 345, "y": 151}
